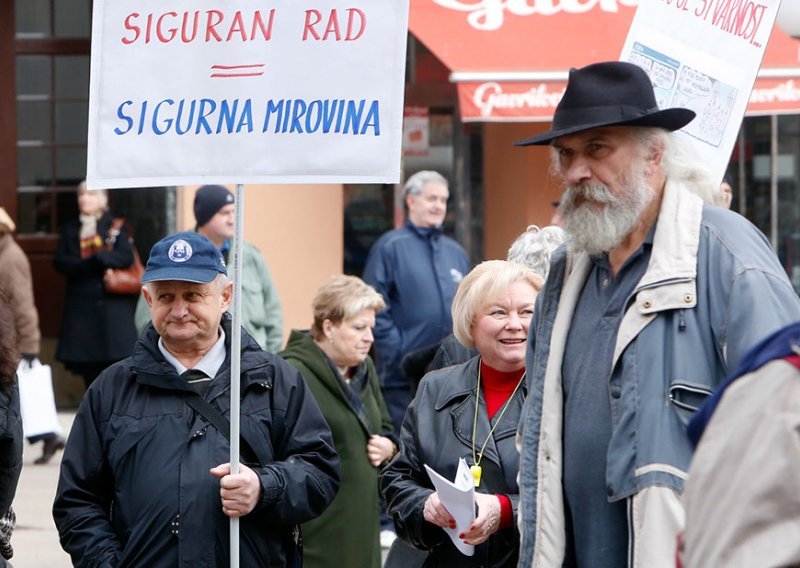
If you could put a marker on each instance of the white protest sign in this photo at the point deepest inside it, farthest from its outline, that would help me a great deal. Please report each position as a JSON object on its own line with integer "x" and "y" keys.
{"x": 703, "y": 55}
{"x": 236, "y": 91}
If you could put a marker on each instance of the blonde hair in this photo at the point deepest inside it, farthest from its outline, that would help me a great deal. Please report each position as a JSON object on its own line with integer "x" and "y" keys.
{"x": 101, "y": 194}
{"x": 483, "y": 282}
{"x": 341, "y": 298}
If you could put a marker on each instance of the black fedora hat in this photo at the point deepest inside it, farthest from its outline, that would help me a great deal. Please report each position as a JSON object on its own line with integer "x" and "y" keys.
{"x": 608, "y": 94}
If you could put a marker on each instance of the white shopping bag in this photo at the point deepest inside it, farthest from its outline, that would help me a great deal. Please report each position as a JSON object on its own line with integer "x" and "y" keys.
{"x": 37, "y": 404}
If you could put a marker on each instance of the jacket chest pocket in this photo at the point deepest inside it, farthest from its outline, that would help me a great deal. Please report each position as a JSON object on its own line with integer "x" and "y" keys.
{"x": 686, "y": 398}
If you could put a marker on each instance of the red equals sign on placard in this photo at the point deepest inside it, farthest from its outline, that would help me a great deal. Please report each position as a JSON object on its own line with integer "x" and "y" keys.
{"x": 227, "y": 71}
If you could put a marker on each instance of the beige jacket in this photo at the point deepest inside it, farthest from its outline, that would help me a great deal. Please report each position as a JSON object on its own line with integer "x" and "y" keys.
{"x": 17, "y": 286}
{"x": 742, "y": 498}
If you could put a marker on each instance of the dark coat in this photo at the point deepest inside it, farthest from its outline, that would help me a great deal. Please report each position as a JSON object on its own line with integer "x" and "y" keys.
{"x": 97, "y": 327}
{"x": 10, "y": 446}
{"x": 417, "y": 272}
{"x": 437, "y": 431}
{"x": 347, "y": 534}
{"x": 135, "y": 487}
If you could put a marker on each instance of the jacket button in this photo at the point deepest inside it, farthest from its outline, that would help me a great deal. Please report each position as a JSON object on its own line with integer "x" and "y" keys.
{"x": 616, "y": 390}
{"x": 610, "y": 490}
{"x": 647, "y": 304}
{"x": 688, "y": 298}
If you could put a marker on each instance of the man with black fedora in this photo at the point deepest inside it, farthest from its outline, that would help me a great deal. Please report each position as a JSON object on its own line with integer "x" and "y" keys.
{"x": 145, "y": 478}
{"x": 650, "y": 305}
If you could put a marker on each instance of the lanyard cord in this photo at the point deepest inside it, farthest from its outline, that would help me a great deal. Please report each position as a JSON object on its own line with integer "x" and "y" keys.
{"x": 477, "y": 460}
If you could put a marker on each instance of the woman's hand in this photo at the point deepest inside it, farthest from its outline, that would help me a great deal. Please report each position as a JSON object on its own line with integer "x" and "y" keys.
{"x": 435, "y": 513}
{"x": 379, "y": 449}
{"x": 486, "y": 523}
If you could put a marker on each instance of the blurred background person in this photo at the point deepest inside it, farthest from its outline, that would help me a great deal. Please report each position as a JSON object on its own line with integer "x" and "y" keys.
{"x": 262, "y": 317}
{"x": 333, "y": 358}
{"x": 469, "y": 411}
{"x": 16, "y": 287}
{"x": 97, "y": 328}
{"x": 10, "y": 429}
{"x": 416, "y": 269}
{"x": 724, "y": 196}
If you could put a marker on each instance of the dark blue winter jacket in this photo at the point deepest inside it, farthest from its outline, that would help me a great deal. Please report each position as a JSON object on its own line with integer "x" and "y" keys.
{"x": 417, "y": 272}
{"x": 135, "y": 487}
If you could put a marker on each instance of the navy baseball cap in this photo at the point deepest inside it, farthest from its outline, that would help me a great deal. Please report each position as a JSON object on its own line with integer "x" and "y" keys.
{"x": 186, "y": 256}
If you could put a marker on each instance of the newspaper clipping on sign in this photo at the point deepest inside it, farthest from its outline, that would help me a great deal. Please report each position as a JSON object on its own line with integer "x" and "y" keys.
{"x": 703, "y": 55}
{"x": 232, "y": 91}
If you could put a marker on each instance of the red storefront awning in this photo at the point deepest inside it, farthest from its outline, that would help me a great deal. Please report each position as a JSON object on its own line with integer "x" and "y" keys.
{"x": 510, "y": 59}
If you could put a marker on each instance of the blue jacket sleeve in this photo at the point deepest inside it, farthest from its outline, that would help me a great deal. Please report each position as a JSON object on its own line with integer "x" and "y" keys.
{"x": 379, "y": 273}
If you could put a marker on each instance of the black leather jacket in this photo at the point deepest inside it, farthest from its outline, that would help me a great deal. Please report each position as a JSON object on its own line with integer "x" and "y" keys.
{"x": 437, "y": 431}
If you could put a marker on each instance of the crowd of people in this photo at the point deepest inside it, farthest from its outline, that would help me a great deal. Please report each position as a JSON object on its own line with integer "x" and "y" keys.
{"x": 622, "y": 388}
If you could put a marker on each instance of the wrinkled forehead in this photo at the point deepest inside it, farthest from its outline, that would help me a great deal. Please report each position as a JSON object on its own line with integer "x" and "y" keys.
{"x": 603, "y": 134}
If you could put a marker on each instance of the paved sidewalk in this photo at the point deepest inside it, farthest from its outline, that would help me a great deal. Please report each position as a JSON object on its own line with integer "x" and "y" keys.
{"x": 35, "y": 539}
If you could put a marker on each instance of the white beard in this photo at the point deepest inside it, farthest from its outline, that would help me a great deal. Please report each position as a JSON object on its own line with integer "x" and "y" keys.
{"x": 594, "y": 229}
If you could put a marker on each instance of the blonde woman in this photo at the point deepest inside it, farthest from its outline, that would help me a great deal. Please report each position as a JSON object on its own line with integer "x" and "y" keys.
{"x": 97, "y": 328}
{"x": 469, "y": 411}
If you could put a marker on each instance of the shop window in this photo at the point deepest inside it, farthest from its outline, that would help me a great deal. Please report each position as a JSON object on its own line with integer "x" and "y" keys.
{"x": 766, "y": 160}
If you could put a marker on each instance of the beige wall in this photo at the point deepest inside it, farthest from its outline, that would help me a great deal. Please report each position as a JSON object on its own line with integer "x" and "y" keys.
{"x": 517, "y": 187}
{"x": 299, "y": 230}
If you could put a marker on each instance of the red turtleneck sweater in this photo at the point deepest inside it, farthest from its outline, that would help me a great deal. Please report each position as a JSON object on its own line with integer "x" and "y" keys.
{"x": 497, "y": 387}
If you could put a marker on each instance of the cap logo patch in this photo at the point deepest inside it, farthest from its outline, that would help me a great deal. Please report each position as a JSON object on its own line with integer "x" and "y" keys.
{"x": 180, "y": 251}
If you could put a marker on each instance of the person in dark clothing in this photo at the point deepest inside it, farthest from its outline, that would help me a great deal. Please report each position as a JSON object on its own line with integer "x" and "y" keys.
{"x": 469, "y": 411}
{"x": 333, "y": 358}
{"x": 97, "y": 328}
{"x": 10, "y": 429}
{"x": 416, "y": 269}
{"x": 144, "y": 478}
{"x": 16, "y": 287}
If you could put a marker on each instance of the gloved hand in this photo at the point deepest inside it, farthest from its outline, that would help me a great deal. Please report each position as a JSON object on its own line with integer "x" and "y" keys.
{"x": 7, "y": 524}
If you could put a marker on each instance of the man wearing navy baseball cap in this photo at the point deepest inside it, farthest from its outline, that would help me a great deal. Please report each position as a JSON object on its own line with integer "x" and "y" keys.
{"x": 651, "y": 305}
{"x": 150, "y": 439}
{"x": 262, "y": 317}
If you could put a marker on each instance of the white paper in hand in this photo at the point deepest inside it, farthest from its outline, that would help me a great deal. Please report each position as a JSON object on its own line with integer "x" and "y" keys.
{"x": 458, "y": 497}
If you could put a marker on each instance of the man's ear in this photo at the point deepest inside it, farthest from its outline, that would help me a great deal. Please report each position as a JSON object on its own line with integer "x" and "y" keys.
{"x": 655, "y": 157}
{"x": 147, "y": 297}
{"x": 227, "y": 295}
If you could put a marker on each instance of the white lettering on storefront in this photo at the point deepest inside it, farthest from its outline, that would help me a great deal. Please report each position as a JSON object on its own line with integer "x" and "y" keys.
{"x": 489, "y": 14}
{"x": 787, "y": 92}
{"x": 490, "y": 96}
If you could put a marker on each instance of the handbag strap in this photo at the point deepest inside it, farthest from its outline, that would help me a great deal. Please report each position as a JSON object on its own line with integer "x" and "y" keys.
{"x": 113, "y": 231}
{"x": 218, "y": 420}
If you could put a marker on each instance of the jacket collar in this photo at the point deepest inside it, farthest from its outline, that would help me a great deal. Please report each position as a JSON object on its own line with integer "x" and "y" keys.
{"x": 677, "y": 236}
{"x": 460, "y": 382}
{"x": 152, "y": 369}
{"x": 426, "y": 233}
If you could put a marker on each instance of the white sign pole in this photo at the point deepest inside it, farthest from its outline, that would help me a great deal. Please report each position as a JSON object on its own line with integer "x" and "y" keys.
{"x": 236, "y": 352}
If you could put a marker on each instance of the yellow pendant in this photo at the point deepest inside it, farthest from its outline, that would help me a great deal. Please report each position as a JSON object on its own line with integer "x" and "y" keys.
{"x": 476, "y": 471}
